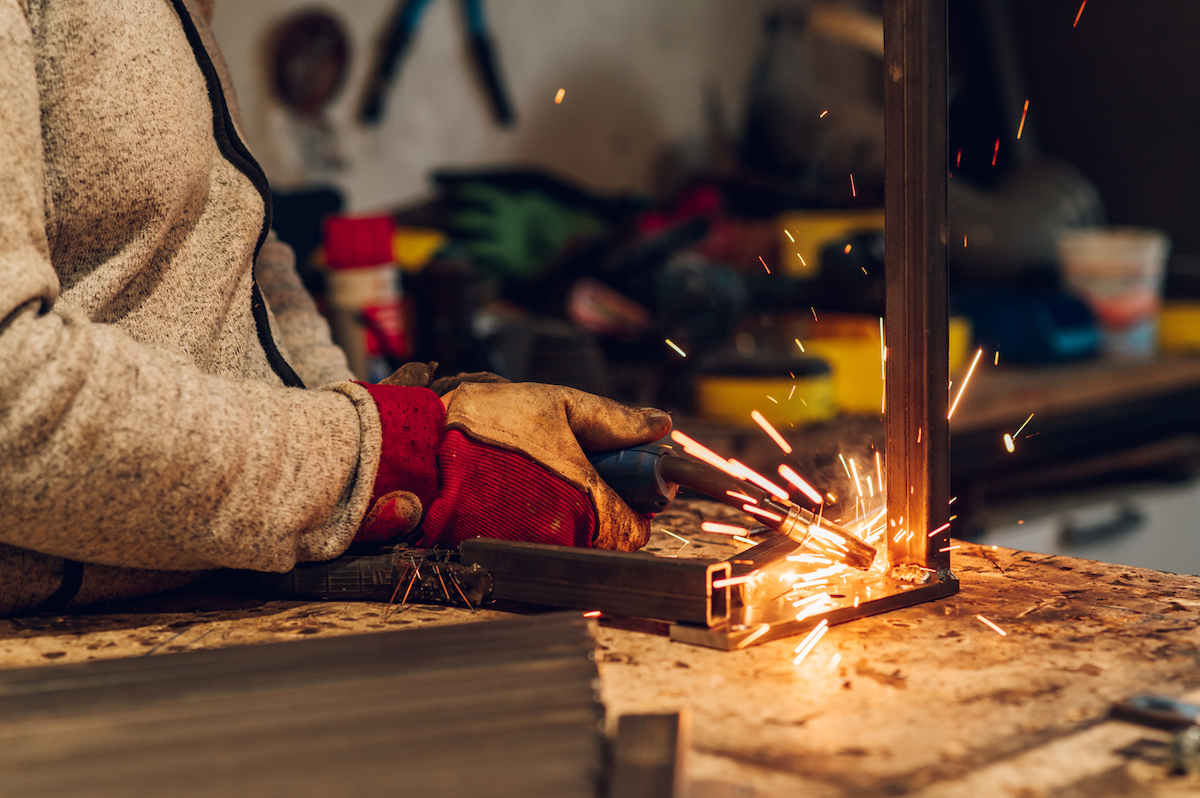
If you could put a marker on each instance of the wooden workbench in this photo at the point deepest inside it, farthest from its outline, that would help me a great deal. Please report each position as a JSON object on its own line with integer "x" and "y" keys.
{"x": 922, "y": 701}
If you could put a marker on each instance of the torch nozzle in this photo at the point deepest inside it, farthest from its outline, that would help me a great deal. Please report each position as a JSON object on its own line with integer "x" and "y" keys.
{"x": 825, "y": 537}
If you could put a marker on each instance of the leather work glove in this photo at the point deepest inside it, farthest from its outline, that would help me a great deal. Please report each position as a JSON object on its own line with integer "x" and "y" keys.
{"x": 412, "y": 420}
{"x": 513, "y": 466}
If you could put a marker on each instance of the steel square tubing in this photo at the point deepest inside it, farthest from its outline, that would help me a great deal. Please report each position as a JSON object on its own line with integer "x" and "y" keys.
{"x": 916, "y": 229}
{"x": 622, "y": 583}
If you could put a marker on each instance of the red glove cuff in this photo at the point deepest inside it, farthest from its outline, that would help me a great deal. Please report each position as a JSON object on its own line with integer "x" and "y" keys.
{"x": 494, "y": 493}
{"x": 413, "y": 420}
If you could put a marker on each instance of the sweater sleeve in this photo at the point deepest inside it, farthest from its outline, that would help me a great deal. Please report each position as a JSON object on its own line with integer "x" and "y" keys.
{"x": 302, "y": 330}
{"x": 118, "y": 453}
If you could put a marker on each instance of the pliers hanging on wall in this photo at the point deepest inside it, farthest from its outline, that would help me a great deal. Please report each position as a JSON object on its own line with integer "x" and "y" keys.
{"x": 396, "y": 43}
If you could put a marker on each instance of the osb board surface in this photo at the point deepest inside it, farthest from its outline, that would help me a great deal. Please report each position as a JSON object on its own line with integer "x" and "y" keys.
{"x": 924, "y": 701}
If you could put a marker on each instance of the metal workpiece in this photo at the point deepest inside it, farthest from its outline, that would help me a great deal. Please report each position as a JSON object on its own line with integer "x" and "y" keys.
{"x": 915, "y": 231}
{"x": 862, "y": 595}
{"x": 622, "y": 583}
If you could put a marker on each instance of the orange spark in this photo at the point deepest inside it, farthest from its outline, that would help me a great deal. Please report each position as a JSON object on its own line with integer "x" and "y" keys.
{"x": 939, "y": 529}
{"x": 757, "y": 633}
{"x": 822, "y": 116}
{"x": 996, "y": 152}
{"x": 986, "y": 622}
{"x": 794, "y": 478}
{"x": 749, "y": 508}
{"x": 1008, "y": 443}
{"x": 722, "y": 529}
{"x": 740, "y": 539}
{"x": 947, "y": 548}
{"x": 558, "y": 98}
{"x": 675, "y": 346}
{"x": 741, "y": 496}
{"x": 764, "y": 263}
{"x": 846, "y": 251}
{"x": 966, "y": 379}
{"x": 809, "y": 642}
{"x": 958, "y": 160}
{"x": 743, "y": 471}
{"x": 853, "y": 193}
{"x": 1021, "y": 126}
{"x": 592, "y": 614}
{"x": 1080, "y": 14}
{"x": 761, "y": 421}
{"x": 879, "y": 471}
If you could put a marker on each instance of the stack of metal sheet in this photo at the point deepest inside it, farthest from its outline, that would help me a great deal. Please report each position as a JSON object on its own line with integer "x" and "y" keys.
{"x": 493, "y": 708}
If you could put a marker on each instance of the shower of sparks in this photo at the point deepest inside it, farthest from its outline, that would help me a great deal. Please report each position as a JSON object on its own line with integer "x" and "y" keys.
{"x": 853, "y": 193}
{"x": 1008, "y": 443}
{"x": 1080, "y": 14}
{"x": 592, "y": 614}
{"x": 966, "y": 379}
{"x": 764, "y": 263}
{"x": 805, "y": 488}
{"x": 994, "y": 627}
{"x": 722, "y": 529}
{"x": 809, "y": 558}
{"x": 1018, "y": 432}
{"x": 731, "y": 581}
{"x": 835, "y": 660}
{"x": 995, "y": 154}
{"x": 757, "y": 633}
{"x": 761, "y": 421}
{"x": 745, "y": 472}
{"x": 731, "y": 467}
{"x": 809, "y": 642}
{"x": 558, "y": 98}
{"x": 741, "y": 496}
{"x": 675, "y": 346}
{"x": 789, "y": 235}
{"x": 770, "y": 516}
{"x": 939, "y": 529}
{"x": 1022, "y": 125}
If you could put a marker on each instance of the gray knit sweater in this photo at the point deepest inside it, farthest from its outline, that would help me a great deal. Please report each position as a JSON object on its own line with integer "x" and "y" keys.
{"x": 153, "y": 419}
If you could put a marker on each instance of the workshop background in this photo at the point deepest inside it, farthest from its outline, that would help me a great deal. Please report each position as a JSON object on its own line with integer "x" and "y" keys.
{"x": 704, "y": 177}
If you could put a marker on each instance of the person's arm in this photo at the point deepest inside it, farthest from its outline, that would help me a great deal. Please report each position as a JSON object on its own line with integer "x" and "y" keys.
{"x": 301, "y": 329}
{"x": 118, "y": 453}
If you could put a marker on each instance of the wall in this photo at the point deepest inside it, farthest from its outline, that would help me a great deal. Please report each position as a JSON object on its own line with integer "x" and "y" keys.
{"x": 635, "y": 73}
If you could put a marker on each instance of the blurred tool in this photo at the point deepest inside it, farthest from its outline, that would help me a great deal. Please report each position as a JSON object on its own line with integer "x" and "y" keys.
{"x": 310, "y": 55}
{"x": 394, "y": 46}
{"x": 1169, "y": 714}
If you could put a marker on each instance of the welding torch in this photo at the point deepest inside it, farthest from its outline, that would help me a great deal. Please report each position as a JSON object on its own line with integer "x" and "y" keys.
{"x": 647, "y": 478}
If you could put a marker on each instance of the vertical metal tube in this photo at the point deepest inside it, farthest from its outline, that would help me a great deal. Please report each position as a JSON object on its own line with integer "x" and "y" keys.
{"x": 918, "y": 435}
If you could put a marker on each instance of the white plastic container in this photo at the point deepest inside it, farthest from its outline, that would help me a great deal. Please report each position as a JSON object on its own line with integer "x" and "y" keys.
{"x": 1119, "y": 272}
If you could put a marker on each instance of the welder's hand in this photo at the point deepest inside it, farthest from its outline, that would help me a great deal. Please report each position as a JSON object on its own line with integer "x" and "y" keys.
{"x": 420, "y": 375}
{"x": 512, "y": 465}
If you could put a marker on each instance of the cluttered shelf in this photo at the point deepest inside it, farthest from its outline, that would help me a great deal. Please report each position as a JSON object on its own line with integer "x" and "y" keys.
{"x": 925, "y": 700}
